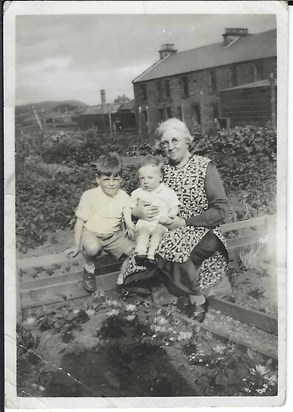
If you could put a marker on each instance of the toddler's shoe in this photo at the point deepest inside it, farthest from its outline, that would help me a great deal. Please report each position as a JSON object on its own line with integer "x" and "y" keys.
{"x": 89, "y": 282}
{"x": 151, "y": 260}
{"x": 141, "y": 260}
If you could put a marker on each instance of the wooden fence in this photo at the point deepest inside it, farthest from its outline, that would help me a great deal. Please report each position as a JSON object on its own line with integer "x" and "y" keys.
{"x": 66, "y": 286}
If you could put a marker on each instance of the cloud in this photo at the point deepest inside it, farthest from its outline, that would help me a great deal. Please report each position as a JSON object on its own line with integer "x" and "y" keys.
{"x": 75, "y": 56}
{"x": 82, "y": 85}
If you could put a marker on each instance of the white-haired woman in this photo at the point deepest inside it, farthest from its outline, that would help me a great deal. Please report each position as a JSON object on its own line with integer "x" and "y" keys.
{"x": 192, "y": 258}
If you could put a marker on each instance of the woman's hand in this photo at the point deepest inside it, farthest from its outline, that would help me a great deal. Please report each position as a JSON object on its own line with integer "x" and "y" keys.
{"x": 145, "y": 211}
{"x": 175, "y": 223}
{"x": 130, "y": 231}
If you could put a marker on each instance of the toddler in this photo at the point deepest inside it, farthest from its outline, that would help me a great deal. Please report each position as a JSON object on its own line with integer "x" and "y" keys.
{"x": 149, "y": 233}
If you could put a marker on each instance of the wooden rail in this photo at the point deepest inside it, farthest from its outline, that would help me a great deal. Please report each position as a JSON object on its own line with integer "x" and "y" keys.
{"x": 59, "y": 288}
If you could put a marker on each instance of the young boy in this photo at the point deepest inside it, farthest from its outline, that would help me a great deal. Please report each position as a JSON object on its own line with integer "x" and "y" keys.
{"x": 99, "y": 219}
{"x": 152, "y": 191}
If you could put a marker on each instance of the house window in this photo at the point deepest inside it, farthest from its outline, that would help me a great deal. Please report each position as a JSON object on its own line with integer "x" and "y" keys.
{"x": 233, "y": 76}
{"x": 185, "y": 87}
{"x": 159, "y": 91}
{"x": 216, "y": 111}
{"x": 213, "y": 82}
{"x": 179, "y": 110}
{"x": 258, "y": 71}
{"x": 196, "y": 115}
{"x": 145, "y": 117}
{"x": 161, "y": 115}
{"x": 143, "y": 92}
{"x": 167, "y": 89}
{"x": 169, "y": 113}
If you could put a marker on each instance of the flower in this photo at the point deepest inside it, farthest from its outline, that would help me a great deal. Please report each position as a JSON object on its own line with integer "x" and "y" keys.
{"x": 90, "y": 312}
{"x": 184, "y": 335}
{"x": 261, "y": 370}
{"x": 30, "y": 320}
{"x": 114, "y": 303}
{"x": 113, "y": 312}
{"x": 130, "y": 308}
{"x": 130, "y": 318}
{"x": 260, "y": 391}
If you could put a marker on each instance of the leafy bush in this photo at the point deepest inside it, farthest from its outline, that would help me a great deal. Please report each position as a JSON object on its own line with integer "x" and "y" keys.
{"x": 245, "y": 158}
{"x": 42, "y": 207}
{"x": 92, "y": 147}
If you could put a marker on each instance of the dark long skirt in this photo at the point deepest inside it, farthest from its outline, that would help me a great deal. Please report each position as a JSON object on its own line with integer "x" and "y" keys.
{"x": 203, "y": 273}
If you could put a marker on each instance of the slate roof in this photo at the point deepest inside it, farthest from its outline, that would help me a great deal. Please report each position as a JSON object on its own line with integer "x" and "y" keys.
{"x": 250, "y": 47}
{"x": 127, "y": 106}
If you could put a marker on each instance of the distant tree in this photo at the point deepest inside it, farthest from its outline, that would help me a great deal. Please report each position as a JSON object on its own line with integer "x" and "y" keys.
{"x": 121, "y": 99}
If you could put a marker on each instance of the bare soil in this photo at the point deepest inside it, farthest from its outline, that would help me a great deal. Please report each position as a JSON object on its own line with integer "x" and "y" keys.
{"x": 103, "y": 346}
{"x": 106, "y": 347}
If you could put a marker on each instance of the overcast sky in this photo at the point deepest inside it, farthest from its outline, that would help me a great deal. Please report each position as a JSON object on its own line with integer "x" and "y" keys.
{"x": 60, "y": 57}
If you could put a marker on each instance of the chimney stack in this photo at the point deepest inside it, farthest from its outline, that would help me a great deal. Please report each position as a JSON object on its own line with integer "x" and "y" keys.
{"x": 166, "y": 50}
{"x": 232, "y": 34}
{"x": 103, "y": 101}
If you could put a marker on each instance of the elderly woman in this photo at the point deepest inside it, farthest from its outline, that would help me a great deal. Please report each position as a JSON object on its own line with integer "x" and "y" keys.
{"x": 192, "y": 258}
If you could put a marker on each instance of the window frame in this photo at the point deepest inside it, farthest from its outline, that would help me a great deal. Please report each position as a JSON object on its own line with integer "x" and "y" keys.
{"x": 185, "y": 86}
{"x": 167, "y": 89}
{"x": 143, "y": 92}
{"x": 258, "y": 68}
{"x": 213, "y": 81}
{"x": 233, "y": 76}
{"x": 159, "y": 91}
{"x": 161, "y": 114}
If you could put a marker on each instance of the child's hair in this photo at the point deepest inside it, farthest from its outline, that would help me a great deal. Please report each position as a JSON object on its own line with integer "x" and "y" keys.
{"x": 109, "y": 165}
{"x": 150, "y": 160}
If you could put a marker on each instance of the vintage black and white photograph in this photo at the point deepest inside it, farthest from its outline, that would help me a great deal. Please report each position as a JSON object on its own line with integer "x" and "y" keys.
{"x": 146, "y": 254}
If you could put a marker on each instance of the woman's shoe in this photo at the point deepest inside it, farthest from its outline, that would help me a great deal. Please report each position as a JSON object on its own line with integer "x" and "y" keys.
{"x": 198, "y": 313}
{"x": 89, "y": 282}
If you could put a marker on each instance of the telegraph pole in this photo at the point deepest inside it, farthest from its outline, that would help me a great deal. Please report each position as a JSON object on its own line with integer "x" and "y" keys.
{"x": 273, "y": 100}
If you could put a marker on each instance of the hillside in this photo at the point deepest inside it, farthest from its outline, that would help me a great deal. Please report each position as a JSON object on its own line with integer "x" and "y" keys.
{"x": 46, "y": 106}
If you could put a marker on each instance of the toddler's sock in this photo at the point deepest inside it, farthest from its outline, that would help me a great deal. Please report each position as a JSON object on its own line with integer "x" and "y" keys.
{"x": 90, "y": 268}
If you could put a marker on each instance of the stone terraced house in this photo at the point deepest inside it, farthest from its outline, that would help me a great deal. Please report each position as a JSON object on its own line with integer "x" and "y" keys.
{"x": 219, "y": 85}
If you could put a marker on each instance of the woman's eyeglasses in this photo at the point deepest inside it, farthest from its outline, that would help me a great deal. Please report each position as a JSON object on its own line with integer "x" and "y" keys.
{"x": 165, "y": 143}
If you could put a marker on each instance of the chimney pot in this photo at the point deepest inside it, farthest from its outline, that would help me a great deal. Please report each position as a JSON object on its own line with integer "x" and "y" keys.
{"x": 166, "y": 50}
{"x": 232, "y": 33}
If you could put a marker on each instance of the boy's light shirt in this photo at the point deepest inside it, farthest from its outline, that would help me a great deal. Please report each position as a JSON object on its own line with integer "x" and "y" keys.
{"x": 164, "y": 197}
{"x": 102, "y": 214}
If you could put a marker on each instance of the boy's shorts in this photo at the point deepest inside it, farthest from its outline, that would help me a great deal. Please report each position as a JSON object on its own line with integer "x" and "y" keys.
{"x": 117, "y": 244}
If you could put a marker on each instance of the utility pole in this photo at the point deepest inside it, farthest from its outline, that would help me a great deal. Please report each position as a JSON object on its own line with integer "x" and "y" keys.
{"x": 148, "y": 120}
{"x": 139, "y": 123}
{"x": 182, "y": 112}
{"x": 201, "y": 102}
{"x": 37, "y": 118}
{"x": 110, "y": 123}
{"x": 273, "y": 100}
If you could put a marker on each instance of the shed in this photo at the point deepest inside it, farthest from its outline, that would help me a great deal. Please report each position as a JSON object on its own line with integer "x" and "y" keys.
{"x": 252, "y": 103}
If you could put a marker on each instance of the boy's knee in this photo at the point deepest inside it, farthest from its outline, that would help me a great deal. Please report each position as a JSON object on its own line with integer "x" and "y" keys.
{"x": 92, "y": 248}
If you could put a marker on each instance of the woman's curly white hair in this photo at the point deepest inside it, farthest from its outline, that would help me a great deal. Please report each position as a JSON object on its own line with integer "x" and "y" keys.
{"x": 172, "y": 124}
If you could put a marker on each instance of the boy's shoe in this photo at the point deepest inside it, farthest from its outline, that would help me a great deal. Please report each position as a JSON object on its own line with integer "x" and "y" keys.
{"x": 89, "y": 282}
